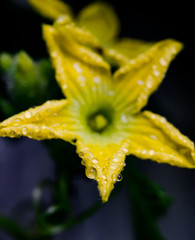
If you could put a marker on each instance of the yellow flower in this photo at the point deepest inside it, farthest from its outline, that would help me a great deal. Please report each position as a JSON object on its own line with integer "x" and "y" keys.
{"x": 101, "y": 114}
{"x": 100, "y": 20}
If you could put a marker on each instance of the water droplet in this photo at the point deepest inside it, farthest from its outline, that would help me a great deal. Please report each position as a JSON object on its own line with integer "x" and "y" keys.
{"x": 17, "y": 120}
{"x": 162, "y": 120}
{"x": 173, "y": 50}
{"x": 153, "y": 137}
{"x": 81, "y": 154}
{"x": 12, "y": 134}
{"x": 115, "y": 160}
{"x": 151, "y": 152}
{"x": 132, "y": 61}
{"x": 51, "y": 135}
{"x": 144, "y": 152}
{"x": 140, "y": 82}
{"x": 24, "y": 130}
{"x": 81, "y": 79}
{"x": 119, "y": 178}
{"x": 91, "y": 172}
{"x": 97, "y": 79}
{"x": 125, "y": 150}
{"x": 163, "y": 62}
{"x": 149, "y": 84}
{"x": 124, "y": 118}
{"x": 77, "y": 67}
{"x": 156, "y": 73}
{"x": 83, "y": 162}
{"x": 64, "y": 86}
{"x": 27, "y": 114}
{"x": 54, "y": 54}
{"x": 36, "y": 128}
{"x": 94, "y": 161}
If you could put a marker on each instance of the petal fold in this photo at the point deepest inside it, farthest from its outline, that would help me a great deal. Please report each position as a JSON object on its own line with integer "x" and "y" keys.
{"x": 138, "y": 79}
{"x": 50, "y": 120}
{"x": 51, "y": 9}
{"x": 152, "y": 137}
{"x": 100, "y": 19}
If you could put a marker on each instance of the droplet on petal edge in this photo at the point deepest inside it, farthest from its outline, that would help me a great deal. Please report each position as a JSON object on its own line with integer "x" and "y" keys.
{"x": 91, "y": 172}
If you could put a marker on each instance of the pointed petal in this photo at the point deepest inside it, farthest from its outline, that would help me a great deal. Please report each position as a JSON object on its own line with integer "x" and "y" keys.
{"x": 50, "y": 120}
{"x": 121, "y": 51}
{"x": 136, "y": 81}
{"x": 101, "y": 20}
{"x": 79, "y": 70}
{"x": 152, "y": 137}
{"x": 51, "y": 9}
{"x": 103, "y": 163}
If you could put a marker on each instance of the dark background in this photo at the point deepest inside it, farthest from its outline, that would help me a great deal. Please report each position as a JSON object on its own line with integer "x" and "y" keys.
{"x": 154, "y": 21}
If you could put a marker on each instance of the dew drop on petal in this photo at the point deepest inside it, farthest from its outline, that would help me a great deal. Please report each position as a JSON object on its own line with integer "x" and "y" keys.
{"x": 91, "y": 172}
{"x": 77, "y": 67}
{"x": 17, "y": 120}
{"x": 12, "y": 134}
{"x": 24, "y": 130}
{"x": 94, "y": 161}
{"x": 83, "y": 162}
{"x": 151, "y": 152}
{"x": 125, "y": 150}
{"x": 81, "y": 154}
{"x": 27, "y": 114}
{"x": 96, "y": 79}
{"x": 115, "y": 160}
{"x": 156, "y": 73}
{"x": 163, "y": 62}
{"x": 153, "y": 137}
{"x": 124, "y": 118}
{"x": 140, "y": 82}
{"x": 119, "y": 178}
{"x": 51, "y": 135}
{"x": 36, "y": 128}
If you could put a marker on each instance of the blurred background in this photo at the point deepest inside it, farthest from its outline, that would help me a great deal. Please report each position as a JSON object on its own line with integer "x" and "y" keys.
{"x": 24, "y": 163}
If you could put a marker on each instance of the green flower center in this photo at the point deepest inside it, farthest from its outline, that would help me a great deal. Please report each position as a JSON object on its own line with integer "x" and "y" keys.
{"x": 98, "y": 122}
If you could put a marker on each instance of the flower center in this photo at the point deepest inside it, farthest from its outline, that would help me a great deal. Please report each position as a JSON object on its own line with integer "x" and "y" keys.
{"x": 98, "y": 122}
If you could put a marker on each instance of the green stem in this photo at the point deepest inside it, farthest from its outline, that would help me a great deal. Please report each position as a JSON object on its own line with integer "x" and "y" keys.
{"x": 145, "y": 223}
{"x": 11, "y": 227}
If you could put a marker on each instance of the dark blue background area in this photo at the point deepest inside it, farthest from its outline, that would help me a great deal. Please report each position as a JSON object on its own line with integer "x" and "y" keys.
{"x": 24, "y": 163}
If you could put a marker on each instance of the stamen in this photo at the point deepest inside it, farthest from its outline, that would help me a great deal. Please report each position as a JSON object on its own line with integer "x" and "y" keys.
{"x": 98, "y": 122}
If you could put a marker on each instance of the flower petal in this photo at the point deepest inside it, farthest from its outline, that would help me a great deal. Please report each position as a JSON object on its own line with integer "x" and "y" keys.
{"x": 84, "y": 37}
{"x": 51, "y": 9}
{"x": 152, "y": 137}
{"x": 121, "y": 51}
{"x": 136, "y": 81}
{"x": 50, "y": 120}
{"x": 79, "y": 70}
{"x": 103, "y": 163}
{"x": 101, "y": 20}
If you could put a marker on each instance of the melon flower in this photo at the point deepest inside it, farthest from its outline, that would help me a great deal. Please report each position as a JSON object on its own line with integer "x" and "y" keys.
{"x": 101, "y": 114}
{"x": 102, "y": 22}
